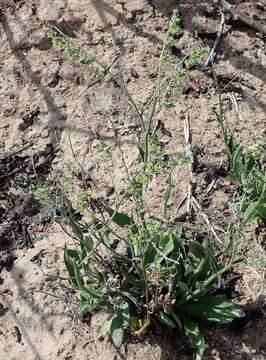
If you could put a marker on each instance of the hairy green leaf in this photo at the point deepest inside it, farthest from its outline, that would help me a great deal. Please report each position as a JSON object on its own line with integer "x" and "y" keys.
{"x": 106, "y": 326}
{"x": 120, "y": 321}
{"x": 117, "y": 336}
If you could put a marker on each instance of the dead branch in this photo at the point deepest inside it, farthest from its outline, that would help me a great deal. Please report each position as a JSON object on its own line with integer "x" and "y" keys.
{"x": 189, "y": 152}
{"x": 212, "y": 54}
{"x": 19, "y": 150}
{"x": 206, "y": 219}
{"x": 238, "y": 15}
{"x": 191, "y": 200}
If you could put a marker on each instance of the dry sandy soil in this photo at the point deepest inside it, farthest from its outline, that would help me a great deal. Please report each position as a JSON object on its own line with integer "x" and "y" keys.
{"x": 46, "y": 101}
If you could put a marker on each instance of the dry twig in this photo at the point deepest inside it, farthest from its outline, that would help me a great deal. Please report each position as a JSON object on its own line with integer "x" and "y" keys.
{"x": 206, "y": 219}
{"x": 238, "y": 15}
{"x": 191, "y": 200}
{"x": 212, "y": 54}
{"x": 189, "y": 152}
{"x": 19, "y": 150}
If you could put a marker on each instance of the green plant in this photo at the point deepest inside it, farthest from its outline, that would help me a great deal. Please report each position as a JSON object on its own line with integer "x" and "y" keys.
{"x": 245, "y": 168}
{"x": 156, "y": 273}
{"x": 194, "y": 57}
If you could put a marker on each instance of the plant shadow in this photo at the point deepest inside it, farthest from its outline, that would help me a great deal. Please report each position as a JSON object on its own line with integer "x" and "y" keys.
{"x": 25, "y": 327}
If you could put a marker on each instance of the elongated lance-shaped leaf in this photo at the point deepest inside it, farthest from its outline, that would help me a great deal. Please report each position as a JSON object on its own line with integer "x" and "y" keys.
{"x": 118, "y": 319}
{"x": 78, "y": 275}
{"x": 71, "y": 266}
{"x": 207, "y": 284}
{"x": 77, "y": 229}
{"x": 106, "y": 326}
{"x": 75, "y": 275}
{"x": 253, "y": 212}
{"x": 142, "y": 154}
{"x": 230, "y": 144}
{"x": 128, "y": 295}
{"x": 88, "y": 243}
{"x": 212, "y": 308}
{"x": 173, "y": 244}
{"x": 72, "y": 253}
{"x": 119, "y": 218}
{"x": 133, "y": 282}
{"x": 237, "y": 158}
{"x": 117, "y": 336}
{"x": 149, "y": 256}
{"x": 195, "y": 337}
{"x": 164, "y": 319}
{"x": 256, "y": 209}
